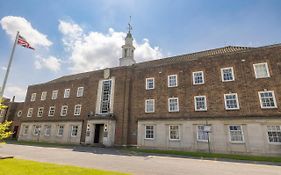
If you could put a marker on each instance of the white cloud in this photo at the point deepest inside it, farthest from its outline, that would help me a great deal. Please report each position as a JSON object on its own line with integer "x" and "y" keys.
{"x": 52, "y": 63}
{"x": 13, "y": 90}
{"x": 95, "y": 50}
{"x": 12, "y": 24}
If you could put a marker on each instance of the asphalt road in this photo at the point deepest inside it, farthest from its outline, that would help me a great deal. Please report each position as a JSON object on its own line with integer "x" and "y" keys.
{"x": 130, "y": 162}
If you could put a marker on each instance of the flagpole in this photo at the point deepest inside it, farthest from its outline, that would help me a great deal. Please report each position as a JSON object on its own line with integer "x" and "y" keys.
{"x": 9, "y": 66}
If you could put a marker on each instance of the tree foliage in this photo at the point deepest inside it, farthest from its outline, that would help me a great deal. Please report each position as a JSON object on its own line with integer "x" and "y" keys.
{"x": 5, "y": 126}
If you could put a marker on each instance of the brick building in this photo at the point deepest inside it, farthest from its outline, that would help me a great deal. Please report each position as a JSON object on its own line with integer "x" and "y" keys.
{"x": 226, "y": 100}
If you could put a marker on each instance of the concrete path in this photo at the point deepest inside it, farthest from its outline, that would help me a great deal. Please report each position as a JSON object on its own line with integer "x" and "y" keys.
{"x": 123, "y": 161}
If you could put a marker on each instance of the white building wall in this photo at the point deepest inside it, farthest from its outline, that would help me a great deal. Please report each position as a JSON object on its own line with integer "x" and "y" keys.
{"x": 254, "y": 131}
{"x": 53, "y": 137}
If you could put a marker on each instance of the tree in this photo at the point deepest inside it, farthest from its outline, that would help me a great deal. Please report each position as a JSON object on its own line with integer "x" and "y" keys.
{"x": 5, "y": 126}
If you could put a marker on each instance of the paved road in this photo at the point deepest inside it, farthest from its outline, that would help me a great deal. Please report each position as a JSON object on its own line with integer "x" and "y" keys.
{"x": 123, "y": 161}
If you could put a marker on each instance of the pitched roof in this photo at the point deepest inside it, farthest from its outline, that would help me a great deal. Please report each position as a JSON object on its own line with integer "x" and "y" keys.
{"x": 163, "y": 61}
{"x": 192, "y": 56}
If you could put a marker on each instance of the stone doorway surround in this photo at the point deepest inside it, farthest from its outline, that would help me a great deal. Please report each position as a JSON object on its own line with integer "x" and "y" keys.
{"x": 107, "y": 137}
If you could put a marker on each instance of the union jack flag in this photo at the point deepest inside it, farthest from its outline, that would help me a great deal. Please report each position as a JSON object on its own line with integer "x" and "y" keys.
{"x": 24, "y": 43}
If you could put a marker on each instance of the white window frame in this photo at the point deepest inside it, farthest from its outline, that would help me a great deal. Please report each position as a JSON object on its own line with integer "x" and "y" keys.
{"x": 54, "y": 109}
{"x": 222, "y": 74}
{"x": 266, "y": 66}
{"x": 169, "y": 78}
{"x": 193, "y": 77}
{"x": 153, "y": 130}
{"x": 58, "y": 131}
{"x": 80, "y": 92}
{"x": 199, "y": 139}
{"x": 237, "y": 101}
{"x": 46, "y": 129}
{"x": 29, "y": 112}
{"x": 274, "y": 143}
{"x": 19, "y": 113}
{"x": 62, "y": 109}
{"x": 169, "y": 103}
{"x": 242, "y": 133}
{"x": 33, "y": 97}
{"x": 72, "y": 130}
{"x": 66, "y": 93}
{"x": 205, "y": 101}
{"x": 38, "y": 128}
{"x": 179, "y": 134}
{"x": 146, "y": 105}
{"x": 146, "y": 83}
{"x": 25, "y": 130}
{"x": 77, "y": 113}
{"x": 43, "y": 95}
{"x": 55, "y": 94}
{"x": 274, "y": 100}
{"x": 38, "y": 111}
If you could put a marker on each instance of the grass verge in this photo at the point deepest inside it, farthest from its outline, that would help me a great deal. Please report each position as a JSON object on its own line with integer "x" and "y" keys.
{"x": 42, "y": 144}
{"x": 211, "y": 155}
{"x": 27, "y": 167}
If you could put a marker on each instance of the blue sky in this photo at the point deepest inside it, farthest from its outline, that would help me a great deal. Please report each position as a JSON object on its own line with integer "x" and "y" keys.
{"x": 81, "y": 35}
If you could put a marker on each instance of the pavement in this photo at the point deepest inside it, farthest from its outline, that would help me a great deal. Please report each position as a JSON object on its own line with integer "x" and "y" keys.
{"x": 135, "y": 163}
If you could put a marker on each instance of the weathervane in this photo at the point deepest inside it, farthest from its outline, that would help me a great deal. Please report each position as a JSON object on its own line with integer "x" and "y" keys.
{"x": 129, "y": 25}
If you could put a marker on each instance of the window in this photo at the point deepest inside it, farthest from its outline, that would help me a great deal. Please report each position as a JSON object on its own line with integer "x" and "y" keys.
{"x": 77, "y": 109}
{"x": 149, "y": 132}
{"x": 261, "y": 70}
{"x": 80, "y": 91}
{"x": 173, "y": 104}
{"x": 29, "y": 112}
{"x": 231, "y": 101}
{"x": 200, "y": 103}
{"x": 149, "y": 105}
{"x": 52, "y": 111}
{"x": 63, "y": 111}
{"x": 236, "y": 133}
{"x": 60, "y": 130}
{"x": 33, "y": 97}
{"x": 198, "y": 77}
{"x": 19, "y": 113}
{"x": 74, "y": 131}
{"x": 105, "y": 96}
{"x": 227, "y": 74}
{"x": 47, "y": 130}
{"x": 174, "y": 132}
{"x": 274, "y": 134}
{"x": 66, "y": 93}
{"x": 267, "y": 99}
{"x": 149, "y": 83}
{"x": 55, "y": 94}
{"x": 202, "y": 134}
{"x": 40, "y": 112}
{"x": 25, "y": 129}
{"x": 37, "y": 129}
{"x": 43, "y": 96}
{"x": 172, "y": 81}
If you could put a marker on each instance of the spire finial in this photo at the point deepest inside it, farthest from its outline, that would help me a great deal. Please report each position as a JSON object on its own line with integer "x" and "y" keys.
{"x": 129, "y": 25}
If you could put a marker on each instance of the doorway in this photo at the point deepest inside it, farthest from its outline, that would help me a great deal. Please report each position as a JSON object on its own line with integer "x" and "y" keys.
{"x": 98, "y": 136}
{"x": 15, "y": 132}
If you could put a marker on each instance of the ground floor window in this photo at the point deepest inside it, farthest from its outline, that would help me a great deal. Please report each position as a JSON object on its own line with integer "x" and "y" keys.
{"x": 60, "y": 130}
{"x": 74, "y": 131}
{"x": 174, "y": 132}
{"x": 36, "y": 130}
{"x": 236, "y": 133}
{"x": 274, "y": 134}
{"x": 47, "y": 130}
{"x": 149, "y": 132}
{"x": 25, "y": 129}
{"x": 202, "y": 135}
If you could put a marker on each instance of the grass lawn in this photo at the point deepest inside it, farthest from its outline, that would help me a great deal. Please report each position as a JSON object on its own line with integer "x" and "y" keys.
{"x": 211, "y": 155}
{"x": 26, "y": 167}
{"x": 42, "y": 144}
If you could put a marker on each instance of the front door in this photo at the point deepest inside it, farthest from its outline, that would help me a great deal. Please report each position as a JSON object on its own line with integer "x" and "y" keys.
{"x": 97, "y": 133}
